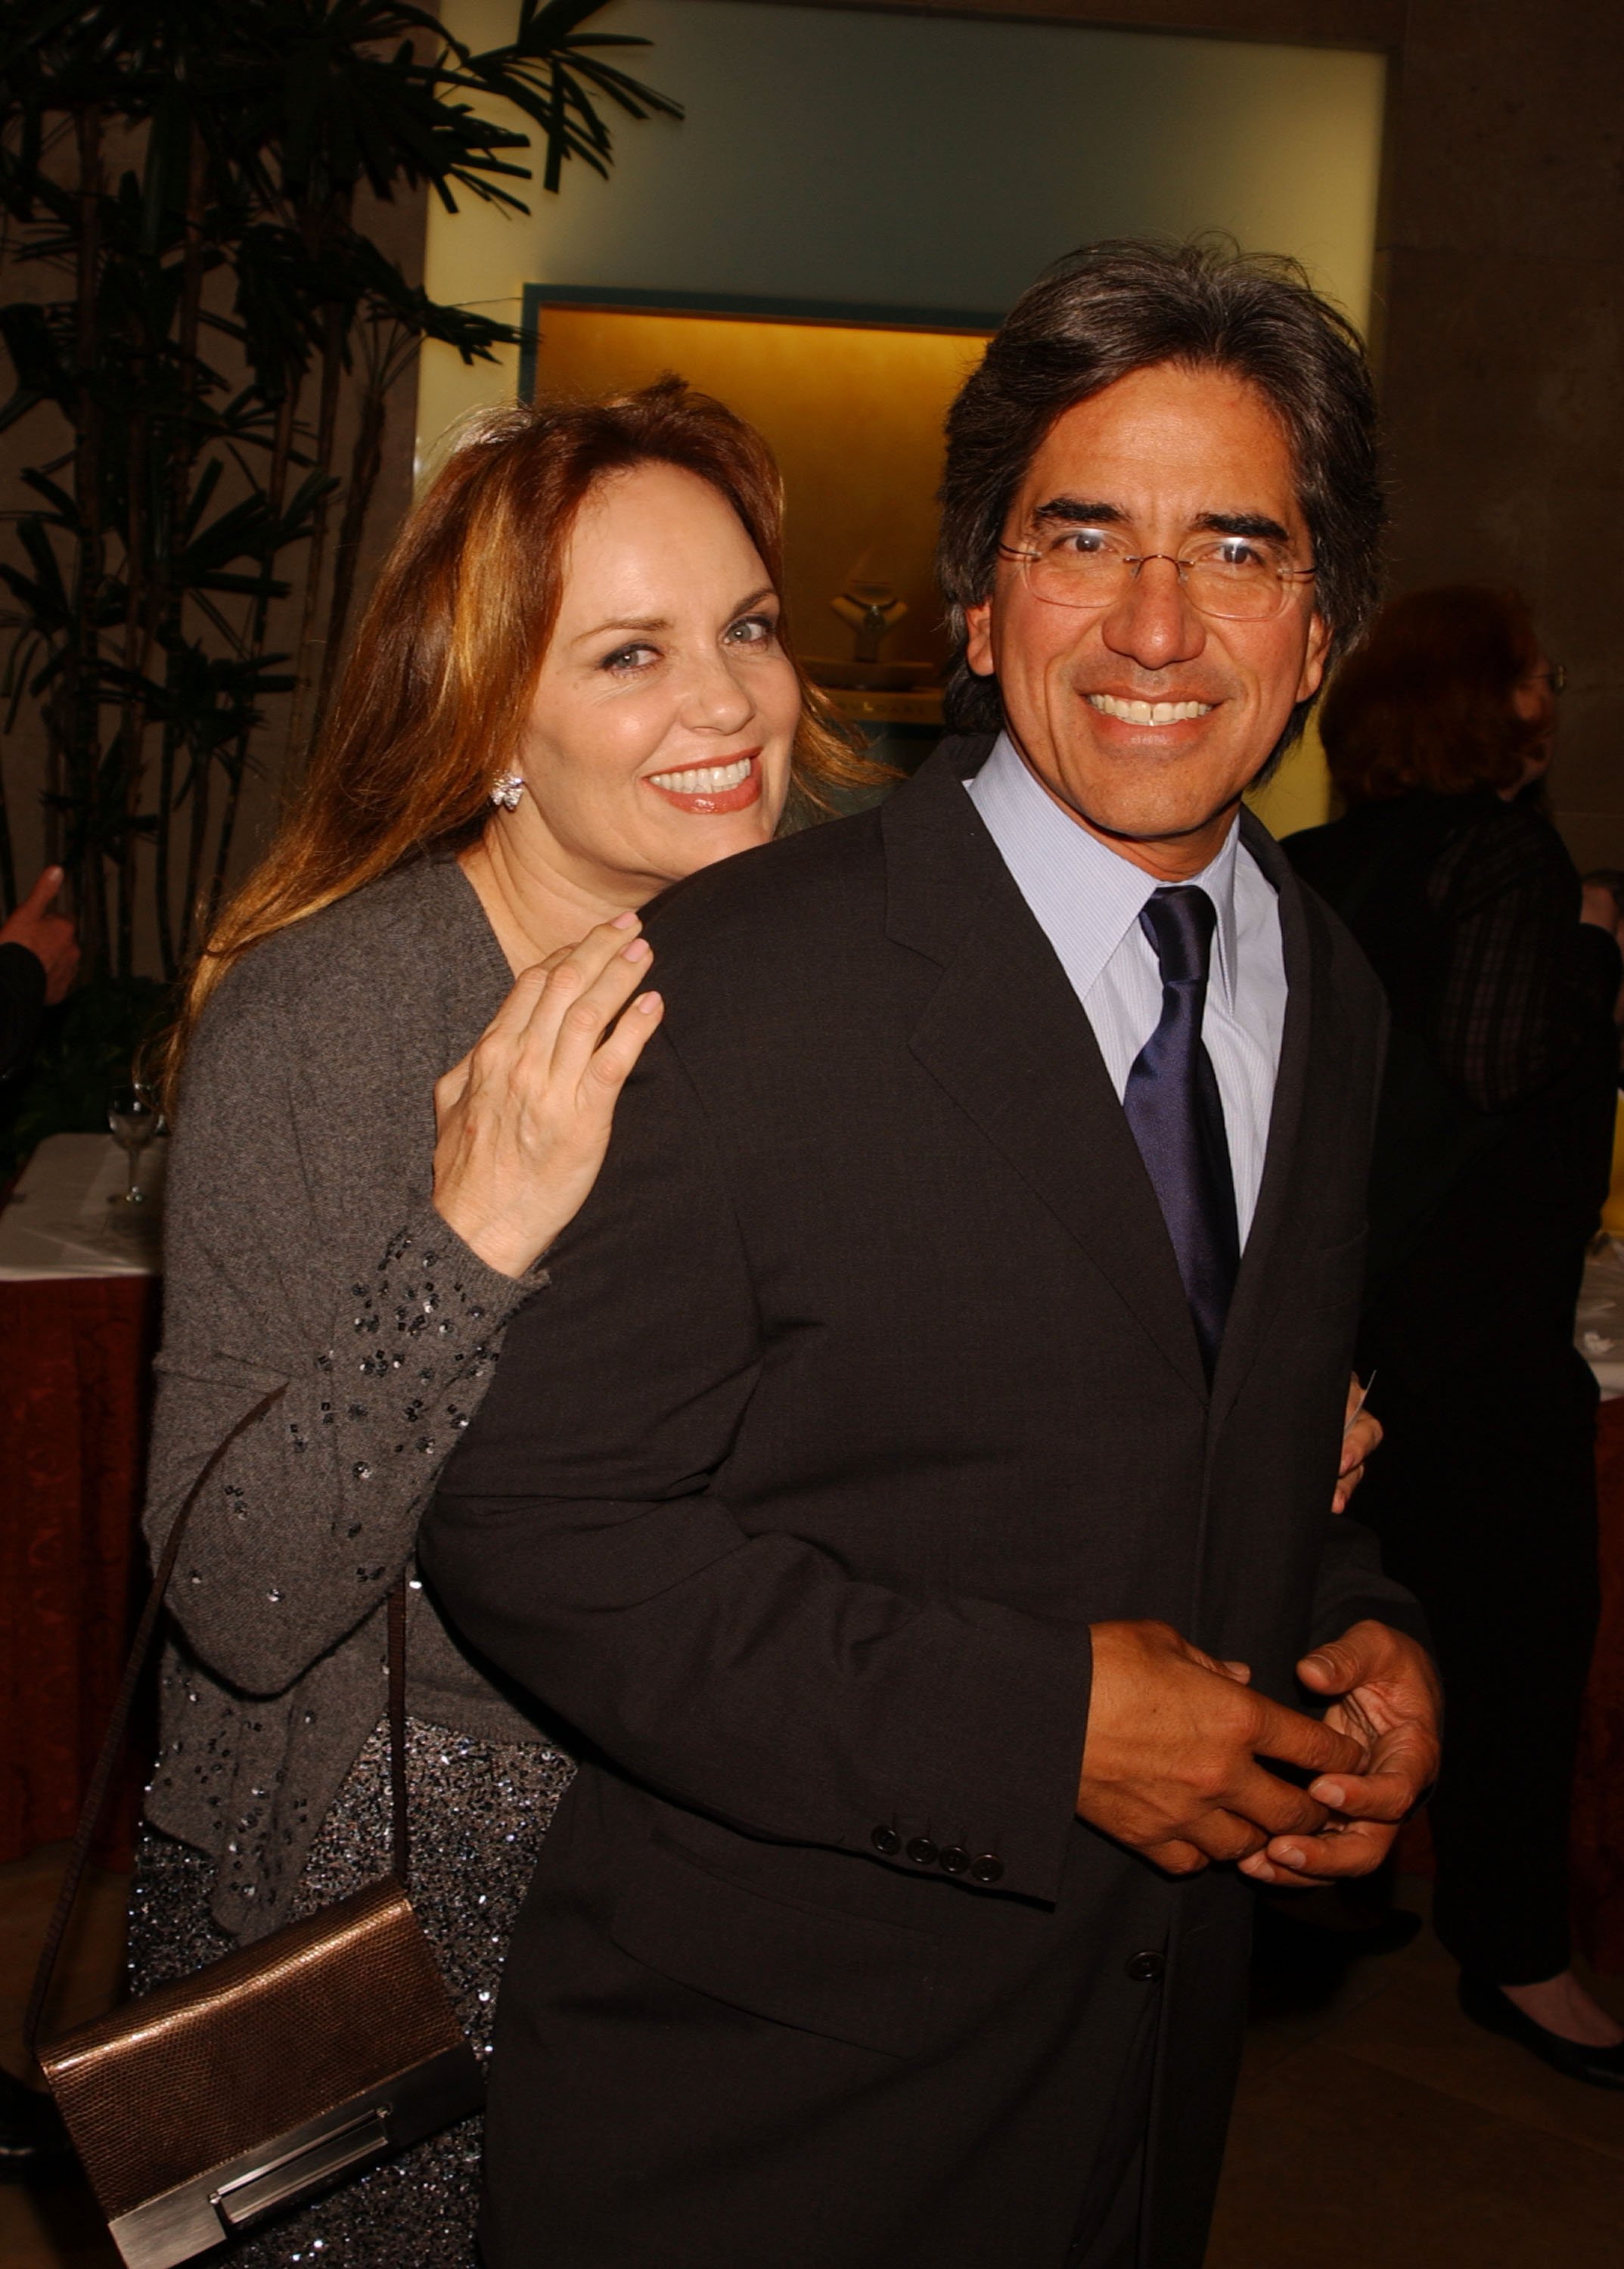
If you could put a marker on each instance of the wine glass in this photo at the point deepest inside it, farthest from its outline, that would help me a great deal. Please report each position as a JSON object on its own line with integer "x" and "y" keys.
{"x": 133, "y": 1116}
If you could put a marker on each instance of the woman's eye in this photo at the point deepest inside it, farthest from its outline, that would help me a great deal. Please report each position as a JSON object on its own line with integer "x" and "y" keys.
{"x": 630, "y": 658}
{"x": 754, "y": 630}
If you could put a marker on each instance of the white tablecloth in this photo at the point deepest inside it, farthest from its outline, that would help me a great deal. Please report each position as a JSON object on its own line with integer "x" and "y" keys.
{"x": 58, "y": 1221}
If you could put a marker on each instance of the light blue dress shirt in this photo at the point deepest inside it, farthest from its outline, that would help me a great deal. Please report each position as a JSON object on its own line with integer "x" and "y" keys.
{"x": 1086, "y": 900}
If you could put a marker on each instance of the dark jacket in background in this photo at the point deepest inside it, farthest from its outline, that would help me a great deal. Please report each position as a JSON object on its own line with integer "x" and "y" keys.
{"x": 1492, "y": 1154}
{"x": 1502, "y": 1059}
{"x": 22, "y": 999}
{"x": 865, "y": 1382}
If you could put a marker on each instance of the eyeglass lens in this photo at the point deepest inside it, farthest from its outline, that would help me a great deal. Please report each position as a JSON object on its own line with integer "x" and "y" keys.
{"x": 1233, "y": 582}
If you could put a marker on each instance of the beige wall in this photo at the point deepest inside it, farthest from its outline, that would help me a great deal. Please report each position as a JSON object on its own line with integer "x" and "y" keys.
{"x": 1503, "y": 348}
{"x": 888, "y": 160}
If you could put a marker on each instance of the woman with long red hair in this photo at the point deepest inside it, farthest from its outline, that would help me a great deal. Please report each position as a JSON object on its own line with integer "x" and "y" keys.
{"x": 395, "y": 1077}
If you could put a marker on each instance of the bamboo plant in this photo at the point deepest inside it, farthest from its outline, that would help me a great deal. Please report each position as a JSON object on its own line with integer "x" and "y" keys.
{"x": 188, "y": 175}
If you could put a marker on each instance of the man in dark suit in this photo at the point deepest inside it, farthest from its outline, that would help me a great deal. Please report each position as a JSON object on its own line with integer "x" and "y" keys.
{"x": 913, "y": 1483}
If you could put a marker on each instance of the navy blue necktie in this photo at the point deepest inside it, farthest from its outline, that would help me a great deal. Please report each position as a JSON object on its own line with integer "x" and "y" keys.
{"x": 1177, "y": 1115}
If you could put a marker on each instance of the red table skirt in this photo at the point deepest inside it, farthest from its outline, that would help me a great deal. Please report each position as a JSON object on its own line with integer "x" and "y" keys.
{"x": 74, "y": 1367}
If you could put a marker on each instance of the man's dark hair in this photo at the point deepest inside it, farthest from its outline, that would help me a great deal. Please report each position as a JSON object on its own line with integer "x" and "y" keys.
{"x": 1124, "y": 306}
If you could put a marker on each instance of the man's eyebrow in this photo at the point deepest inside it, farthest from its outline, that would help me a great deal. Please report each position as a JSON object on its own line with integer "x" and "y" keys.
{"x": 1243, "y": 523}
{"x": 1080, "y": 512}
{"x": 1078, "y": 509}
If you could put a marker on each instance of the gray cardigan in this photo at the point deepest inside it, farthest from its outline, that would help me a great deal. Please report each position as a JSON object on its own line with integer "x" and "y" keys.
{"x": 302, "y": 1251}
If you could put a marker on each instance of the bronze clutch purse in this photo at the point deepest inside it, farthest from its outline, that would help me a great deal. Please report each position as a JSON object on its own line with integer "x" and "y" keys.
{"x": 205, "y": 2107}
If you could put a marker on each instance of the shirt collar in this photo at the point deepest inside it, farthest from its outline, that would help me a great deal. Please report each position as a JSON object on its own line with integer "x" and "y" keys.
{"x": 1085, "y": 896}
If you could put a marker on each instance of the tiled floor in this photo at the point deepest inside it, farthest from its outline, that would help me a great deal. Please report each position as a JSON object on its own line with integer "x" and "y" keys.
{"x": 1380, "y": 2131}
{"x": 1376, "y": 2129}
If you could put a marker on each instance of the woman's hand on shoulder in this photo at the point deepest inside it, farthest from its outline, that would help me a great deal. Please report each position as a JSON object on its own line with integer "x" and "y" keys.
{"x": 523, "y": 1121}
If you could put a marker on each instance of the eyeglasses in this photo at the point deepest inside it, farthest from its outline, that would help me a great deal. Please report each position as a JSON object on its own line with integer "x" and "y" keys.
{"x": 1555, "y": 675}
{"x": 1236, "y": 578}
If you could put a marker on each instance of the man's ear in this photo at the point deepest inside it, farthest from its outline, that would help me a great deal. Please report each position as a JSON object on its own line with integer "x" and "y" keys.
{"x": 979, "y": 638}
{"x": 1314, "y": 658}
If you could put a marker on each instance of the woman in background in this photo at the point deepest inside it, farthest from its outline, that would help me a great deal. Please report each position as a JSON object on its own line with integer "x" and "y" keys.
{"x": 1490, "y": 1168}
{"x": 571, "y": 688}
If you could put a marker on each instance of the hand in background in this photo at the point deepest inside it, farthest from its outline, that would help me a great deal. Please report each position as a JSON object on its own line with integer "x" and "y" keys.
{"x": 1361, "y": 1433}
{"x": 1169, "y": 1763}
{"x": 523, "y": 1121}
{"x": 48, "y": 936}
{"x": 1389, "y": 1701}
{"x": 1599, "y": 906}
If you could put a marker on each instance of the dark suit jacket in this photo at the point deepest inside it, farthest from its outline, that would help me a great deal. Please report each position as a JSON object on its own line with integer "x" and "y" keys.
{"x": 863, "y": 1384}
{"x": 22, "y": 999}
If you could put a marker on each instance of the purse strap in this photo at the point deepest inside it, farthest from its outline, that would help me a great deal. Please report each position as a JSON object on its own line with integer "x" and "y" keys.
{"x": 97, "y": 1797}
{"x": 399, "y": 1827}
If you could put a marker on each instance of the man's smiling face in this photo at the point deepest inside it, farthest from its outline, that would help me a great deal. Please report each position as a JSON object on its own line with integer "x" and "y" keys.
{"x": 1143, "y": 718}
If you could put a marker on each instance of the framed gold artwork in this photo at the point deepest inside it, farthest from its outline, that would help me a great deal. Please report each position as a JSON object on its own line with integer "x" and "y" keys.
{"x": 851, "y": 400}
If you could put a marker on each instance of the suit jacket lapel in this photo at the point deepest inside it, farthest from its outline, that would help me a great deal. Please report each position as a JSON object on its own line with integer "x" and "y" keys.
{"x": 1007, "y": 1038}
{"x": 1252, "y": 1306}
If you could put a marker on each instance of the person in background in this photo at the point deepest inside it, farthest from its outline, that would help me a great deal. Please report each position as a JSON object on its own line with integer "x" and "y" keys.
{"x": 1604, "y": 898}
{"x": 1490, "y": 1166}
{"x": 39, "y": 955}
{"x": 571, "y": 688}
{"x": 1604, "y": 906}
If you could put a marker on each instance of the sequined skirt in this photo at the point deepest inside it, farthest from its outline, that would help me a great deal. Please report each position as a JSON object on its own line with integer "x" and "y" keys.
{"x": 478, "y": 1811}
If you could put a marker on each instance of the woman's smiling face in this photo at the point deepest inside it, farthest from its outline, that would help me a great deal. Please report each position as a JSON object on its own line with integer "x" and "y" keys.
{"x": 659, "y": 734}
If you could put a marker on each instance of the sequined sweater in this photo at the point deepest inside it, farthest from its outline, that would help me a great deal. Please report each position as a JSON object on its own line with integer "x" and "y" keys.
{"x": 303, "y": 1254}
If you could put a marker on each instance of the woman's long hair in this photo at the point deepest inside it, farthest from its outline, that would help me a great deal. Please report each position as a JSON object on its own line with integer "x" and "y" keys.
{"x": 435, "y": 696}
{"x": 1426, "y": 700}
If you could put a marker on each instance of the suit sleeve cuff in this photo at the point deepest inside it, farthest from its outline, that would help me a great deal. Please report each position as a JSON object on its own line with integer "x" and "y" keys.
{"x": 996, "y": 1809}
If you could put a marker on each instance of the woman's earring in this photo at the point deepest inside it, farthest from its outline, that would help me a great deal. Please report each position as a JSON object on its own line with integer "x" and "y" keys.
{"x": 508, "y": 790}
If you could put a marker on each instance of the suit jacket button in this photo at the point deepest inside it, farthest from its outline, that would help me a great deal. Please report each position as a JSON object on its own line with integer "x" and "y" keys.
{"x": 987, "y": 1869}
{"x": 922, "y": 1852}
{"x": 887, "y": 1842}
{"x": 954, "y": 1862}
{"x": 1146, "y": 1968}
